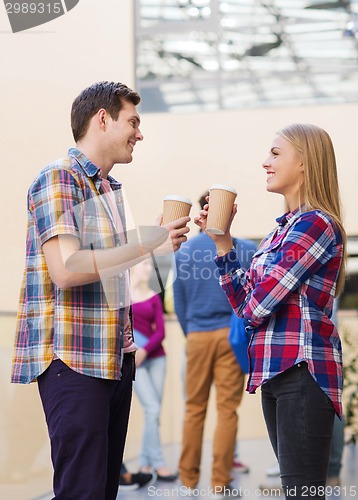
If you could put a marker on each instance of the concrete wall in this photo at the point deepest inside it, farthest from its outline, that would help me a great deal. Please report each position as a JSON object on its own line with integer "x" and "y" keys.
{"x": 43, "y": 69}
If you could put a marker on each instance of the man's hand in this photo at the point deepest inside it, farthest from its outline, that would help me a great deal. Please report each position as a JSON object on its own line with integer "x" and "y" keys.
{"x": 177, "y": 230}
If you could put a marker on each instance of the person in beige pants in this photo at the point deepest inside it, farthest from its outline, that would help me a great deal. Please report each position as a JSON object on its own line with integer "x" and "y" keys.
{"x": 210, "y": 360}
{"x": 204, "y": 315}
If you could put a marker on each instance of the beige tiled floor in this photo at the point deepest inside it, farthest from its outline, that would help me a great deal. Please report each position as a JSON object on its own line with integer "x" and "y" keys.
{"x": 257, "y": 454}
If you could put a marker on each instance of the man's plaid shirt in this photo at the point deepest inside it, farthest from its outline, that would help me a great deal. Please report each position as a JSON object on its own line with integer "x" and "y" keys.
{"x": 82, "y": 325}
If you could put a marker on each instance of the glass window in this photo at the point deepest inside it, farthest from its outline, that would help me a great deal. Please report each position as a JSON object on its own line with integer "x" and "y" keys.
{"x": 195, "y": 55}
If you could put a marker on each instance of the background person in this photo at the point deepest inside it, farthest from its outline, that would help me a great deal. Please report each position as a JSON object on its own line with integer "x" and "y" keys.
{"x": 204, "y": 315}
{"x": 335, "y": 457}
{"x": 131, "y": 481}
{"x": 286, "y": 298}
{"x": 149, "y": 332}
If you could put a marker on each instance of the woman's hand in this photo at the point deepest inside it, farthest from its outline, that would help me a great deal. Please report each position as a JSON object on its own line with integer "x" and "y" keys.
{"x": 201, "y": 219}
{"x": 223, "y": 242}
{"x": 140, "y": 356}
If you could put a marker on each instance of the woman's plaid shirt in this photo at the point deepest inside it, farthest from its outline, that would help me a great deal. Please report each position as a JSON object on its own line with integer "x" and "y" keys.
{"x": 82, "y": 325}
{"x": 286, "y": 298}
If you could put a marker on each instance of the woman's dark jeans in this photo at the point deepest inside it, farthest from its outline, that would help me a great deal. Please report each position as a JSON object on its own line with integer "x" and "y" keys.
{"x": 299, "y": 418}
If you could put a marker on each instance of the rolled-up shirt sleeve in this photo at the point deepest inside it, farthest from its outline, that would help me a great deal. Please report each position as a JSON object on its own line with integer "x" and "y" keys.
{"x": 51, "y": 200}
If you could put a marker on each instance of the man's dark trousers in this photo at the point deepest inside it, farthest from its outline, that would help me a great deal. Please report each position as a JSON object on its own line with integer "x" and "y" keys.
{"x": 87, "y": 421}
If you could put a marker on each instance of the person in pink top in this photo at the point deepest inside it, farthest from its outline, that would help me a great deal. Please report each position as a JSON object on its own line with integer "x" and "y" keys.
{"x": 149, "y": 332}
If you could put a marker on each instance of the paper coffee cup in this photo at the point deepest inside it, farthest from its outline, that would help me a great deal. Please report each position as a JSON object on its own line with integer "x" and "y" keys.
{"x": 221, "y": 201}
{"x": 175, "y": 207}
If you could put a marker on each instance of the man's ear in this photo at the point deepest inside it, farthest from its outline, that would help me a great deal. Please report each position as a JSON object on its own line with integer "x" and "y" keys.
{"x": 101, "y": 117}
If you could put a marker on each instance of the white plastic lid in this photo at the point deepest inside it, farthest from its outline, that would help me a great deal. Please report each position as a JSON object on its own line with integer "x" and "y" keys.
{"x": 175, "y": 197}
{"x": 225, "y": 188}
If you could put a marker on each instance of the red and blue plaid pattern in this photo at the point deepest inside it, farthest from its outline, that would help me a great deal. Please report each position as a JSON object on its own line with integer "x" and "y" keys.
{"x": 78, "y": 324}
{"x": 286, "y": 298}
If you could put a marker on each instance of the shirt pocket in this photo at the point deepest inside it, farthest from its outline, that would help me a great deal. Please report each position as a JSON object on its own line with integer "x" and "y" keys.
{"x": 272, "y": 246}
{"x": 263, "y": 259}
{"x": 98, "y": 232}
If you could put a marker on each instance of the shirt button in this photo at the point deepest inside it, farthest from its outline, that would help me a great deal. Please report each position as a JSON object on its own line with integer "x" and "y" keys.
{"x": 121, "y": 304}
{"x": 299, "y": 365}
{"x": 120, "y": 275}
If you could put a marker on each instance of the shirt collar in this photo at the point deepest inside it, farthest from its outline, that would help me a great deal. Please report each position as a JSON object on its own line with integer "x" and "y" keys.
{"x": 90, "y": 169}
{"x": 282, "y": 221}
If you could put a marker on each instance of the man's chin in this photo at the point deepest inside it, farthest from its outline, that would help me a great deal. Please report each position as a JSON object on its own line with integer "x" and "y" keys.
{"x": 124, "y": 161}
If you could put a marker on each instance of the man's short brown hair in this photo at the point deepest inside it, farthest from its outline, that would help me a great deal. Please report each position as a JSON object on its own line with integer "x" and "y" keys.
{"x": 107, "y": 95}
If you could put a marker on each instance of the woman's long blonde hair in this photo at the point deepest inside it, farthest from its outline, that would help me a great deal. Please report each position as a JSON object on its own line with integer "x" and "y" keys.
{"x": 320, "y": 188}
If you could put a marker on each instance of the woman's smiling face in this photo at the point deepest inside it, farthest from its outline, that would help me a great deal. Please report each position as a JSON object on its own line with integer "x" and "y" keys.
{"x": 284, "y": 169}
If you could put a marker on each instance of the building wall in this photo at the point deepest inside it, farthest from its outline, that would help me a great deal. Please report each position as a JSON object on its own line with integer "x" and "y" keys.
{"x": 42, "y": 70}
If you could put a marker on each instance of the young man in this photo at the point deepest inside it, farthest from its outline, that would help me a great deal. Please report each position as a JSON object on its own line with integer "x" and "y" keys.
{"x": 74, "y": 332}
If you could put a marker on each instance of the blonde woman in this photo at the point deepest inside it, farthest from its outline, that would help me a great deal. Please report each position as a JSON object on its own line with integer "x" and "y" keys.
{"x": 286, "y": 299}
